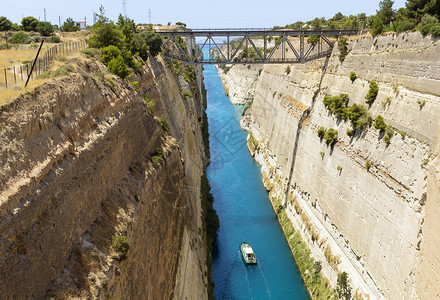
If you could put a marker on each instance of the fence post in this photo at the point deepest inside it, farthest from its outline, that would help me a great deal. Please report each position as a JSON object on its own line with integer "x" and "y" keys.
{"x": 15, "y": 77}
{"x": 21, "y": 71}
{"x": 6, "y": 79}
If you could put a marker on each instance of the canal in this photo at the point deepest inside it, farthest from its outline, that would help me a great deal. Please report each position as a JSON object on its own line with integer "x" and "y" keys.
{"x": 245, "y": 211}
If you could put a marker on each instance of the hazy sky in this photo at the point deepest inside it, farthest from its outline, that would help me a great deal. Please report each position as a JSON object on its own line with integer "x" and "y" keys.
{"x": 195, "y": 13}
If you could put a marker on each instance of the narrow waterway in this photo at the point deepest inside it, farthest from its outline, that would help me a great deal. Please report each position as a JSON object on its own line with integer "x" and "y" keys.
{"x": 245, "y": 211}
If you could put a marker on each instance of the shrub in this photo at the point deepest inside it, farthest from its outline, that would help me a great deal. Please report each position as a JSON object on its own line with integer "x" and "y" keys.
{"x": 313, "y": 40}
{"x": 403, "y": 134}
{"x": 108, "y": 53}
{"x": 336, "y": 104}
{"x": 359, "y": 116}
{"x": 62, "y": 59}
{"x": 426, "y": 28}
{"x": 379, "y": 123}
{"x": 147, "y": 41}
{"x": 156, "y": 157}
{"x": 43, "y": 76}
{"x": 428, "y": 19}
{"x": 288, "y": 70}
{"x": 435, "y": 30}
{"x": 343, "y": 49}
{"x": 331, "y": 136}
{"x": 90, "y": 52}
{"x": 69, "y": 25}
{"x": 321, "y": 132}
{"x": 353, "y": 76}
{"x": 377, "y": 27}
{"x": 389, "y": 132}
{"x": 350, "y": 132}
{"x": 164, "y": 125}
{"x": 367, "y": 165}
{"x": 421, "y": 103}
{"x": 150, "y": 103}
{"x": 424, "y": 162}
{"x": 54, "y": 39}
{"x": 62, "y": 71}
{"x": 121, "y": 245}
{"x": 135, "y": 84}
{"x": 339, "y": 168}
{"x": 117, "y": 66}
{"x": 343, "y": 288}
{"x": 19, "y": 38}
{"x": 29, "y": 24}
{"x": 45, "y": 28}
{"x": 405, "y": 25}
{"x": 386, "y": 102}
{"x": 186, "y": 94}
{"x": 372, "y": 92}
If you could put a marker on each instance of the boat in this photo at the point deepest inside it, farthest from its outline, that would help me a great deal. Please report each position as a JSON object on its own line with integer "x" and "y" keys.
{"x": 248, "y": 253}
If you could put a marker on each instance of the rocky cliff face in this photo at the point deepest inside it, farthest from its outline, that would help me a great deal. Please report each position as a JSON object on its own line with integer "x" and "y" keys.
{"x": 83, "y": 160}
{"x": 363, "y": 206}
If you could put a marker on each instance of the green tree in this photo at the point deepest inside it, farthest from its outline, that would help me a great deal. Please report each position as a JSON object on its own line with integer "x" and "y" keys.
{"x": 417, "y": 8}
{"x": 331, "y": 136}
{"x": 372, "y": 92}
{"x": 377, "y": 27}
{"x": 105, "y": 34}
{"x": 69, "y": 25}
{"x": 343, "y": 288}
{"x": 353, "y": 76}
{"x": 29, "y": 23}
{"x": 45, "y": 28}
{"x": 121, "y": 245}
{"x": 117, "y": 66}
{"x": 5, "y": 24}
{"x": 108, "y": 53}
{"x": 386, "y": 11}
{"x": 147, "y": 41}
{"x": 379, "y": 123}
{"x": 343, "y": 49}
{"x": 313, "y": 39}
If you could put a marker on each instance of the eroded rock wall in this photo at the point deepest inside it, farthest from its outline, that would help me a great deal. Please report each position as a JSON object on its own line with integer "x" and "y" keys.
{"x": 370, "y": 219}
{"x": 77, "y": 169}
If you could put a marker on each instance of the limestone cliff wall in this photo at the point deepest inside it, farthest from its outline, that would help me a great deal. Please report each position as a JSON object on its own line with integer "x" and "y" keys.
{"x": 377, "y": 223}
{"x": 76, "y": 170}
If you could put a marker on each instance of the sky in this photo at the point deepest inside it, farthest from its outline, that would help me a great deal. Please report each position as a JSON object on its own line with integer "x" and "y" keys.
{"x": 195, "y": 13}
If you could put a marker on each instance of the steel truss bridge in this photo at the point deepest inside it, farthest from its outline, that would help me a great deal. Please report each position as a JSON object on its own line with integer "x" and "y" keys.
{"x": 229, "y": 53}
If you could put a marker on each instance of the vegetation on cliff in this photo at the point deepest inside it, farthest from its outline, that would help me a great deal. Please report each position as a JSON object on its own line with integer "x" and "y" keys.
{"x": 416, "y": 15}
{"x": 120, "y": 45}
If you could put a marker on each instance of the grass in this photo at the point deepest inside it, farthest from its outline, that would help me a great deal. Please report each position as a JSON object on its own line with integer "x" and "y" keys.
{"x": 8, "y": 95}
{"x": 317, "y": 285}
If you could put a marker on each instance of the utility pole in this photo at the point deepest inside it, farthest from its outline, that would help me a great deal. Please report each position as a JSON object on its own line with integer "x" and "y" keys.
{"x": 59, "y": 21}
{"x": 44, "y": 15}
{"x": 124, "y": 8}
{"x": 149, "y": 16}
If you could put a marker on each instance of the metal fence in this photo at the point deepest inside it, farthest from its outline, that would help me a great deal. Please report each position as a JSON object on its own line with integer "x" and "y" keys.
{"x": 17, "y": 75}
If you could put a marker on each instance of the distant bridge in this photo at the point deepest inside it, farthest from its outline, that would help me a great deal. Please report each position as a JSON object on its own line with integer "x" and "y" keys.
{"x": 239, "y": 46}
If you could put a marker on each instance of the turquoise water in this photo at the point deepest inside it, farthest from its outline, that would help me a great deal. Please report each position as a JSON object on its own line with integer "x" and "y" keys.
{"x": 245, "y": 212}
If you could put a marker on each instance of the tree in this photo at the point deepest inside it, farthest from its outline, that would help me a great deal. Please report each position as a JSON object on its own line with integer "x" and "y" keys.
{"x": 147, "y": 41}
{"x": 343, "y": 49}
{"x": 45, "y": 28}
{"x": 29, "y": 23}
{"x": 5, "y": 24}
{"x": 377, "y": 27}
{"x": 386, "y": 11}
{"x": 69, "y": 25}
{"x": 372, "y": 92}
{"x": 417, "y": 8}
{"x": 105, "y": 34}
{"x": 343, "y": 288}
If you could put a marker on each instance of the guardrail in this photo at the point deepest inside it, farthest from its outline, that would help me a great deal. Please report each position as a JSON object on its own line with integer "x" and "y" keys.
{"x": 12, "y": 76}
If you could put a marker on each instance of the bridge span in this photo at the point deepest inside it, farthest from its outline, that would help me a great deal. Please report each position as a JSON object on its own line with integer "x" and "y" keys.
{"x": 251, "y": 45}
